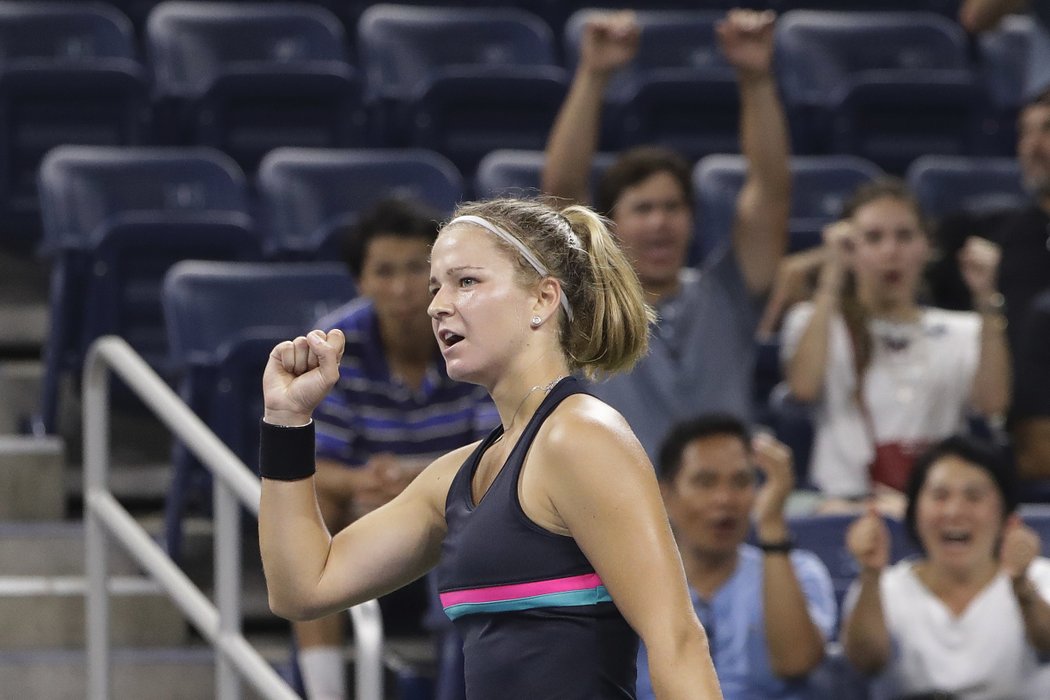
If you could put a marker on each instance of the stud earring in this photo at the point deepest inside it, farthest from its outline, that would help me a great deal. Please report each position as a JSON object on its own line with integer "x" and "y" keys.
{"x": 536, "y": 320}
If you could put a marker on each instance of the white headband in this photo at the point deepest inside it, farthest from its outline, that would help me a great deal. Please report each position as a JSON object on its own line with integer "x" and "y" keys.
{"x": 518, "y": 245}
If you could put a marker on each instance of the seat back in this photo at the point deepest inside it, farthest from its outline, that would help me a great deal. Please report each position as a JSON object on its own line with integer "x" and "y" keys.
{"x": 946, "y": 184}
{"x": 825, "y": 536}
{"x": 888, "y": 86}
{"x": 68, "y": 74}
{"x": 461, "y": 81}
{"x": 517, "y": 173}
{"x": 193, "y": 44}
{"x": 821, "y": 185}
{"x": 312, "y": 195}
{"x": 115, "y": 220}
{"x": 220, "y": 340}
{"x": 404, "y": 46}
{"x": 1002, "y": 58}
{"x": 250, "y": 77}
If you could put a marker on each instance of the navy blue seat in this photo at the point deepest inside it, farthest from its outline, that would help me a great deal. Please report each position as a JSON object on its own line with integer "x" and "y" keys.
{"x": 888, "y": 86}
{"x": 1002, "y": 58}
{"x": 461, "y": 81}
{"x": 825, "y": 536}
{"x": 115, "y": 219}
{"x": 220, "y": 338}
{"x": 679, "y": 91}
{"x": 510, "y": 173}
{"x": 821, "y": 186}
{"x": 249, "y": 77}
{"x": 947, "y": 184}
{"x": 68, "y": 74}
{"x": 310, "y": 196}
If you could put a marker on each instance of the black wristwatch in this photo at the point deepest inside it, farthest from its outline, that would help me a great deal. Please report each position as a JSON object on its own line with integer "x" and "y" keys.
{"x": 781, "y": 547}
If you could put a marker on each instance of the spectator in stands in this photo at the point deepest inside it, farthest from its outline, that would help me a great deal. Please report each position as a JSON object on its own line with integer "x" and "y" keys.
{"x": 981, "y": 15}
{"x": 1032, "y": 403}
{"x": 393, "y": 410}
{"x": 1024, "y": 237}
{"x": 767, "y": 610}
{"x": 702, "y": 354}
{"x": 969, "y": 618}
{"x": 920, "y": 369}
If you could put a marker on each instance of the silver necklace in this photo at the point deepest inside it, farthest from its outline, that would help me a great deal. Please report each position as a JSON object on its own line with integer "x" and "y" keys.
{"x": 546, "y": 390}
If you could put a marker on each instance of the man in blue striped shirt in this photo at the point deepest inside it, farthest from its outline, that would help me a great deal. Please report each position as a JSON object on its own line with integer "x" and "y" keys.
{"x": 393, "y": 409}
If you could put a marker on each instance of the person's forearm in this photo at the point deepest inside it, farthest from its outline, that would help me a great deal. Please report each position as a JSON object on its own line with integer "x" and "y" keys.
{"x": 1036, "y": 614}
{"x": 684, "y": 671}
{"x": 807, "y": 366}
{"x": 574, "y": 139}
{"x": 795, "y": 644}
{"x": 865, "y": 639}
{"x": 294, "y": 543}
{"x": 764, "y": 205}
{"x": 991, "y": 382}
{"x": 1032, "y": 444}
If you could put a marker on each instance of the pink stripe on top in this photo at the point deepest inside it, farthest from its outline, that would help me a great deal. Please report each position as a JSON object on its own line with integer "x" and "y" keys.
{"x": 514, "y": 591}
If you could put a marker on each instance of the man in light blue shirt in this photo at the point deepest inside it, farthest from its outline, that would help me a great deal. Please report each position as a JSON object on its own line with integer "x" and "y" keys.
{"x": 767, "y": 610}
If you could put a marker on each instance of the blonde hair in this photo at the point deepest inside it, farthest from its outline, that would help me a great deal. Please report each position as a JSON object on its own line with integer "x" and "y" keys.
{"x": 609, "y": 330}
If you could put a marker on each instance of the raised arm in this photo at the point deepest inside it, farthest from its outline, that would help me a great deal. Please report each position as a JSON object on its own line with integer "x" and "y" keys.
{"x": 794, "y": 642}
{"x": 805, "y": 369}
{"x": 979, "y": 265}
{"x": 865, "y": 636}
{"x": 764, "y": 203}
{"x": 610, "y": 41}
{"x": 309, "y": 573}
{"x": 607, "y": 498}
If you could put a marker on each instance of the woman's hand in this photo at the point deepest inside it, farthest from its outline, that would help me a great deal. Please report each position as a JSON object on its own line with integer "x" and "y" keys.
{"x": 1020, "y": 545}
{"x": 610, "y": 41}
{"x": 979, "y": 265}
{"x": 868, "y": 540}
{"x": 299, "y": 374}
{"x": 746, "y": 38}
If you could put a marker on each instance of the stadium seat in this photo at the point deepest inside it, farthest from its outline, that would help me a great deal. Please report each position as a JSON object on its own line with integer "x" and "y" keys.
{"x": 825, "y": 536}
{"x": 511, "y": 173}
{"x": 821, "y": 185}
{"x": 68, "y": 74}
{"x": 887, "y": 86}
{"x": 311, "y": 195}
{"x": 220, "y": 338}
{"x": 947, "y": 184}
{"x": 678, "y": 92}
{"x": 1002, "y": 54}
{"x": 115, "y": 219}
{"x": 461, "y": 81}
{"x": 248, "y": 77}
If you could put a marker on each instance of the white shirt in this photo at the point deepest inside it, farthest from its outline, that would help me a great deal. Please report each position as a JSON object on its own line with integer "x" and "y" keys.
{"x": 917, "y": 389}
{"x": 982, "y": 654}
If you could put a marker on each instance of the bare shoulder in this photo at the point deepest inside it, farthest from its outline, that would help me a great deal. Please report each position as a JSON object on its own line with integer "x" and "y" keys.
{"x": 587, "y": 433}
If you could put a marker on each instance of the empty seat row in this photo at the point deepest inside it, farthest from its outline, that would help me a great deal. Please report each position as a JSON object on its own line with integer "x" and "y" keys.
{"x": 249, "y": 77}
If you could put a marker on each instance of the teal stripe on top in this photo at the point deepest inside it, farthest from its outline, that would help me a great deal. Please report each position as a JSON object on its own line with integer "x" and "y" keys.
{"x": 564, "y": 599}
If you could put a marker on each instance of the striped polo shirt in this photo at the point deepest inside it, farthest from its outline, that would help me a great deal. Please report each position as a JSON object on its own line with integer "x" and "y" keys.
{"x": 370, "y": 412}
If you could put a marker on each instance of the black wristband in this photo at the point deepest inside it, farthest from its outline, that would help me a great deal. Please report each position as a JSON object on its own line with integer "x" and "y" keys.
{"x": 286, "y": 453}
{"x": 782, "y": 547}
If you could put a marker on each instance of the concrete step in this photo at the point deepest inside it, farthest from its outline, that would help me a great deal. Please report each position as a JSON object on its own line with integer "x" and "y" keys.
{"x": 32, "y": 478}
{"x": 181, "y": 673}
{"x": 51, "y": 548}
{"x": 20, "y": 386}
{"x": 41, "y": 612}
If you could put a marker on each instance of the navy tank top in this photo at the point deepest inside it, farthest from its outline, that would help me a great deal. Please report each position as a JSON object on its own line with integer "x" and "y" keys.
{"x": 535, "y": 619}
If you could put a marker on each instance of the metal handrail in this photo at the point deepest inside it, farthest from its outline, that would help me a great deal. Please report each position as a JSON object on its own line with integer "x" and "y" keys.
{"x": 235, "y": 485}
